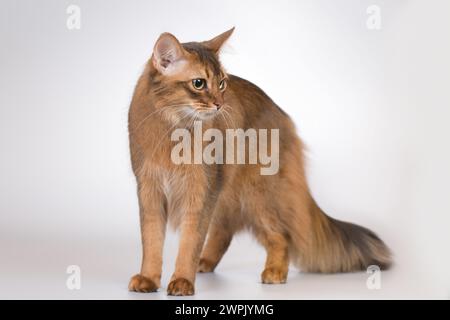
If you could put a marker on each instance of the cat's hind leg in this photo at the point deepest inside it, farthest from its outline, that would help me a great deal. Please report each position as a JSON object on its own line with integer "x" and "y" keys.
{"x": 277, "y": 260}
{"x": 270, "y": 232}
{"x": 219, "y": 239}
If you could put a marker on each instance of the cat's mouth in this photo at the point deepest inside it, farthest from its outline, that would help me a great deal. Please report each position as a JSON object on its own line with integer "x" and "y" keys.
{"x": 206, "y": 114}
{"x": 190, "y": 114}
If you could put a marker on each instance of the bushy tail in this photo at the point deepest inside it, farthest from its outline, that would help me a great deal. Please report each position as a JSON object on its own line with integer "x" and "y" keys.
{"x": 337, "y": 246}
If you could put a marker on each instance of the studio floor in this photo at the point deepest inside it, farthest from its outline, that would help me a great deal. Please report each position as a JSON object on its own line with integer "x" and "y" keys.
{"x": 35, "y": 268}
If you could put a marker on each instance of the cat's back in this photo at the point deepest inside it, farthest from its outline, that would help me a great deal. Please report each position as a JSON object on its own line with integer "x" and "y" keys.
{"x": 254, "y": 102}
{"x": 245, "y": 89}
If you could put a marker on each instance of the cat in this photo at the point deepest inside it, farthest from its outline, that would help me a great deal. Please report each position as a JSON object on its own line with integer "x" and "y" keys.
{"x": 183, "y": 83}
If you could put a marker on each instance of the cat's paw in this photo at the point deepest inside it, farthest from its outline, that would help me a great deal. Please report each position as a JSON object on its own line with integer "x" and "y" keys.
{"x": 180, "y": 287}
{"x": 205, "y": 266}
{"x": 273, "y": 276}
{"x": 140, "y": 283}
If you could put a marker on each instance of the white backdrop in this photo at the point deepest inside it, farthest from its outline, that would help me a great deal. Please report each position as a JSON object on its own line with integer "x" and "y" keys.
{"x": 371, "y": 105}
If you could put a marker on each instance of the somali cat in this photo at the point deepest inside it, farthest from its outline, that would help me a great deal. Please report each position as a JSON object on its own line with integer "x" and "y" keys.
{"x": 186, "y": 82}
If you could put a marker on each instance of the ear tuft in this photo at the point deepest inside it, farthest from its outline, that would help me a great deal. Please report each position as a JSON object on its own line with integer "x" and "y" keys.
{"x": 216, "y": 43}
{"x": 168, "y": 53}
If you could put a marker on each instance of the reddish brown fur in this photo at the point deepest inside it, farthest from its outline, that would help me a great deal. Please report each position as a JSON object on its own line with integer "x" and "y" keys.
{"x": 225, "y": 199}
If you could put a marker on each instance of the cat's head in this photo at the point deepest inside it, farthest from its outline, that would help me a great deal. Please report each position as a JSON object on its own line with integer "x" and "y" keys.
{"x": 187, "y": 78}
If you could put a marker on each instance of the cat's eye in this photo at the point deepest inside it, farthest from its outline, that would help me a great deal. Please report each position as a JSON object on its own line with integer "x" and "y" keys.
{"x": 199, "y": 84}
{"x": 222, "y": 85}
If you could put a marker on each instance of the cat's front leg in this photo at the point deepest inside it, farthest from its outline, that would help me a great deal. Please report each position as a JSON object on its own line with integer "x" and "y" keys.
{"x": 153, "y": 226}
{"x": 194, "y": 227}
{"x": 193, "y": 233}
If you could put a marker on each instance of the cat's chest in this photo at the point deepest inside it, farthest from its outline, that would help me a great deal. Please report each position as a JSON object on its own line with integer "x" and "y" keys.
{"x": 174, "y": 184}
{"x": 177, "y": 184}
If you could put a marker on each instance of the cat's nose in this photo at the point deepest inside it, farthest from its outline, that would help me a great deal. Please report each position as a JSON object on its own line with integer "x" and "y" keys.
{"x": 217, "y": 105}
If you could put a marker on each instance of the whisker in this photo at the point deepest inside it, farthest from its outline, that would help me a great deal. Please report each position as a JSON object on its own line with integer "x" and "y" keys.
{"x": 228, "y": 115}
{"x": 228, "y": 112}
{"x": 165, "y": 133}
{"x": 159, "y": 110}
{"x": 164, "y": 108}
{"x": 225, "y": 119}
{"x": 193, "y": 119}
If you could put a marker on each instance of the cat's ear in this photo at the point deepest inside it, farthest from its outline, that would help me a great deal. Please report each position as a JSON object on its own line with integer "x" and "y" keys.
{"x": 216, "y": 43}
{"x": 168, "y": 54}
